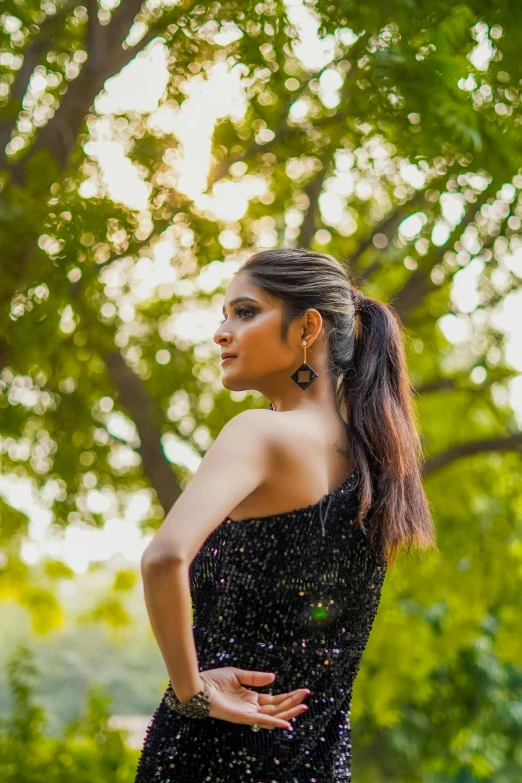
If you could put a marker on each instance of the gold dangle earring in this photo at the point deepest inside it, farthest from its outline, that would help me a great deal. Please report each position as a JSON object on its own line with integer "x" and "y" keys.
{"x": 304, "y": 375}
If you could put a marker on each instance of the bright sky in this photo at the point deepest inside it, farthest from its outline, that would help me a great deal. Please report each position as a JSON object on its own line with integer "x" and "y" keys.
{"x": 140, "y": 87}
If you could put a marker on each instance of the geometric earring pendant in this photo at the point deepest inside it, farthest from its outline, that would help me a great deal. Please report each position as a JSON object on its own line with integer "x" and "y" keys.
{"x": 304, "y": 375}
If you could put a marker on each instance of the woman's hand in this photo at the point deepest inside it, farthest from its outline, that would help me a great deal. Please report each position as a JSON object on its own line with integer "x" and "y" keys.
{"x": 232, "y": 701}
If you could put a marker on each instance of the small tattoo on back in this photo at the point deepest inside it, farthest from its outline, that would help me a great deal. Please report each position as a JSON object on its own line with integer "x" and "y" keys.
{"x": 340, "y": 450}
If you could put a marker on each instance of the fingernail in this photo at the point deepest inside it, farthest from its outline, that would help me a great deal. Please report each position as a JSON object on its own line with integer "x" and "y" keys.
{"x": 304, "y": 707}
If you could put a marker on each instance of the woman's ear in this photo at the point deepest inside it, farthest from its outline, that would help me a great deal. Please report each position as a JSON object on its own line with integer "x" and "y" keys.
{"x": 313, "y": 326}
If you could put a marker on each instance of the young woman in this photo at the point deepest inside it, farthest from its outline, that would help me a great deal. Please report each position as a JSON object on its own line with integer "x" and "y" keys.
{"x": 282, "y": 539}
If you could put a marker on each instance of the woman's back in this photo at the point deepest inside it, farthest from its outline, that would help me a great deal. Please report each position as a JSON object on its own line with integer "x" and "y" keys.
{"x": 310, "y": 453}
{"x": 294, "y": 593}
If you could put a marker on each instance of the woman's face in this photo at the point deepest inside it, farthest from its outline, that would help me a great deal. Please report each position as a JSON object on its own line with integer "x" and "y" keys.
{"x": 251, "y": 331}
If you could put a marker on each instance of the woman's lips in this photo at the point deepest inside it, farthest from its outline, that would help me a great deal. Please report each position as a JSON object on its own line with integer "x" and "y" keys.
{"x": 228, "y": 359}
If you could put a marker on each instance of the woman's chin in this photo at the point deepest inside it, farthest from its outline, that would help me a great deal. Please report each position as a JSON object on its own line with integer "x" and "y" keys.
{"x": 233, "y": 384}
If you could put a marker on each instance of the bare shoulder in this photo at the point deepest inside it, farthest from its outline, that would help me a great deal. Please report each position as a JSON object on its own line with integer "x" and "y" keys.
{"x": 250, "y": 435}
{"x": 253, "y": 426}
{"x": 278, "y": 440}
{"x": 263, "y": 428}
{"x": 252, "y": 418}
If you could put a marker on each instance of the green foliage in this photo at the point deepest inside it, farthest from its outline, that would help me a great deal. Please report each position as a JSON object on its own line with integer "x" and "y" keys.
{"x": 89, "y": 752}
{"x": 468, "y": 728}
{"x": 125, "y": 661}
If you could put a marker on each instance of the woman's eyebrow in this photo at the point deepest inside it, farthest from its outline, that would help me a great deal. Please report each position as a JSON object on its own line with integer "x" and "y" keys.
{"x": 241, "y": 299}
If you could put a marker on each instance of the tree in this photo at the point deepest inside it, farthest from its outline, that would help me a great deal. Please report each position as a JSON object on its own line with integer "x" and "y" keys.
{"x": 89, "y": 751}
{"x": 401, "y": 156}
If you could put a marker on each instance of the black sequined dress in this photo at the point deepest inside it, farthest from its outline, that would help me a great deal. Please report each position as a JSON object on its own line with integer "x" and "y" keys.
{"x": 295, "y": 594}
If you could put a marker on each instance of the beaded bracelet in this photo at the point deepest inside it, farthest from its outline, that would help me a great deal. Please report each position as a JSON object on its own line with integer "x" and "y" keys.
{"x": 197, "y": 707}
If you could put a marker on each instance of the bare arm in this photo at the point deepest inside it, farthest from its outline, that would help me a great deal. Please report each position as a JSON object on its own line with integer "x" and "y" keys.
{"x": 234, "y": 466}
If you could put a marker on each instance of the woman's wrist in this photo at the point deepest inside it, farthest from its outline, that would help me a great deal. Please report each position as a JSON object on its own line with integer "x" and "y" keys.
{"x": 188, "y": 690}
{"x": 197, "y": 706}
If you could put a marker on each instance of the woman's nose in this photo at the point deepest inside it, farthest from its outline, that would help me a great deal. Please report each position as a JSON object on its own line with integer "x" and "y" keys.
{"x": 221, "y": 337}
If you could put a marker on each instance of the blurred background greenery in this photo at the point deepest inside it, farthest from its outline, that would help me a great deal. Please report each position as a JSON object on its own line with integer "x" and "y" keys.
{"x": 145, "y": 150}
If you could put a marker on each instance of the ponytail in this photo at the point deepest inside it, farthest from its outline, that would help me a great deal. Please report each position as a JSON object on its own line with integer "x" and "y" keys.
{"x": 382, "y": 430}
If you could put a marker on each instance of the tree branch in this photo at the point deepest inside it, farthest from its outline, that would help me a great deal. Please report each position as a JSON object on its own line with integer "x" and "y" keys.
{"x": 33, "y": 56}
{"x": 313, "y": 191}
{"x": 462, "y": 383}
{"x": 122, "y": 19}
{"x": 283, "y": 129}
{"x": 419, "y": 284}
{"x": 388, "y": 226}
{"x": 439, "y": 384}
{"x": 96, "y": 39}
{"x": 221, "y": 170}
{"x": 147, "y": 418}
{"x": 502, "y": 443}
{"x": 60, "y": 134}
{"x": 281, "y": 132}
{"x": 412, "y": 293}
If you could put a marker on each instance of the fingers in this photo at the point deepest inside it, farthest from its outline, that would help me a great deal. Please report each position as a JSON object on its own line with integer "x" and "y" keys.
{"x": 275, "y": 711}
{"x": 296, "y": 696}
{"x": 285, "y": 707}
{"x": 292, "y": 712}
{"x": 267, "y": 722}
{"x": 281, "y": 719}
{"x": 249, "y": 677}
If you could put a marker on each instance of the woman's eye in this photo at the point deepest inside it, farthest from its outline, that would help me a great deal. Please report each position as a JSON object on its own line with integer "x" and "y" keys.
{"x": 244, "y": 310}
{"x": 241, "y": 311}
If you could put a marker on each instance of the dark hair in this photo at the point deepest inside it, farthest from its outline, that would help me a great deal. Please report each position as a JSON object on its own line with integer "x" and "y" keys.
{"x": 366, "y": 358}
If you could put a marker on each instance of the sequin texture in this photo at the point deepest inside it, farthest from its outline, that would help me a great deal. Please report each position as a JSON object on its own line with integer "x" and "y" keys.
{"x": 293, "y": 593}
